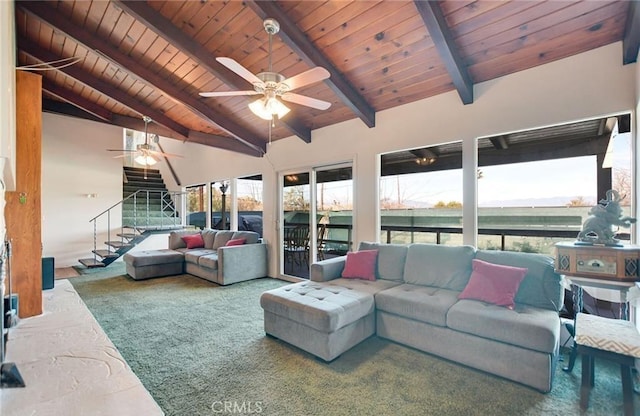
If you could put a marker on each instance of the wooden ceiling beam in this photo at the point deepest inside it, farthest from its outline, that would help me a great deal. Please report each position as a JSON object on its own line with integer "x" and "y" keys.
{"x": 79, "y": 74}
{"x": 163, "y": 27}
{"x": 297, "y": 40}
{"x": 76, "y": 100}
{"x": 440, "y": 34}
{"x": 69, "y": 109}
{"x": 220, "y": 142}
{"x": 212, "y": 140}
{"x": 56, "y": 20}
{"x": 631, "y": 40}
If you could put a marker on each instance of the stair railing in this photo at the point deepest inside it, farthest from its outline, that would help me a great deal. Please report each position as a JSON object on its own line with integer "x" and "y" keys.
{"x": 169, "y": 215}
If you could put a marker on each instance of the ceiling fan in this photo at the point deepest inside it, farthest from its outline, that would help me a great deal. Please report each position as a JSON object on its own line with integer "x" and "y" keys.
{"x": 145, "y": 153}
{"x": 272, "y": 85}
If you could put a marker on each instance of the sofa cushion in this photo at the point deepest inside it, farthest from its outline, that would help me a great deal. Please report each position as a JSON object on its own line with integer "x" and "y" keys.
{"x": 153, "y": 257}
{"x": 541, "y": 286}
{"x": 533, "y": 328}
{"x": 209, "y": 261}
{"x": 322, "y": 306}
{"x": 360, "y": 265}
{"x": 325, "y": 306}
{"x": 391, "y": 259}
{"x": 175, "y": 238}
{"x": 236, "y": 242}
{"x": 368, "y": 286}
{"x": 251, "y": 237}
{"x": 222, "y": 237}
{"x": 208, "y": 235}
{"x": 493, "y": 283}
{"x": 441, "y": 266}
{"x": 422, "y": 303}
{"x": 193, "y": 240}
{"x": 192, "y": 256}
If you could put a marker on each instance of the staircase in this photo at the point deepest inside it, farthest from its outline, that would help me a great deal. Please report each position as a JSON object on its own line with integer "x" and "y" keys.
{"x": 147, "y": 207}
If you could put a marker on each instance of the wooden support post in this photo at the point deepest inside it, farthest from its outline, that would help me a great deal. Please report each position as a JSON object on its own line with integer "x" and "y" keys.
{"x": 23, "y": 211}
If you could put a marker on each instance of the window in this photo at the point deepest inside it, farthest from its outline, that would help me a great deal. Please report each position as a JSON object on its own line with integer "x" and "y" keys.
{"x": 221, "y": 205}
{"x": 421, "y": 195}
{"x": 536, "y": 188}
{"x": 249, "y": 200}
{"x": 196, "y": 208}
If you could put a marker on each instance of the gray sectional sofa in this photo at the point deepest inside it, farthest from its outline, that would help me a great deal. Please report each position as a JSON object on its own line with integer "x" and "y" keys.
{"x": 215, "y": 262}
{"x": 414, "y": 301}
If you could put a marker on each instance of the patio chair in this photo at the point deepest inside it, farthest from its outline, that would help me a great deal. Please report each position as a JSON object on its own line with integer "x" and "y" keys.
{"x": 296, "y": 245}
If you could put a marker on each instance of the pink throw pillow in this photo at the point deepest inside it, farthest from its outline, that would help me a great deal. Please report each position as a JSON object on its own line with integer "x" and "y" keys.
{"x": 236, "y": 242}
{"x": 193, "y": 240}
{"x": 361, "y": 265}
{"x": 493, "y": 283}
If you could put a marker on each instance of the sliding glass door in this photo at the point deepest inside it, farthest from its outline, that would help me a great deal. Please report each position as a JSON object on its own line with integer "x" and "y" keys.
{"x": 296, "y": 209}
{"x": 316, "y": 216}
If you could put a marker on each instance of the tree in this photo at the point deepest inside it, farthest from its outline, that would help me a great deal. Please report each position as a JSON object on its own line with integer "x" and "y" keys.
{"x": 622, "y": 184}
{"x": 195, "y": 199}
{"x": 450, "y": 204}
{"x": 579, "y": 202}
{"x": 294, "y": 199}
{"x": 249, "y": 203}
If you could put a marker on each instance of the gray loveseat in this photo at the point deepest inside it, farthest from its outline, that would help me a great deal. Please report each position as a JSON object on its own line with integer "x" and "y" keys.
{"x": 414, "y": 301}
{"x": 216, "y": 261}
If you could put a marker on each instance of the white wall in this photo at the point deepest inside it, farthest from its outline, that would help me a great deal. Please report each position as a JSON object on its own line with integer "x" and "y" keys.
{"x": 75, "y": 163}
{"x": 7, "y": 108}
{"x": 592, "y": 84}
{"x": 7, "y": 96}
{"x": 635, "y": 124}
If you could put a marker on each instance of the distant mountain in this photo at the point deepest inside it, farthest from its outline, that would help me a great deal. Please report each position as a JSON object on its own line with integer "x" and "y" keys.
{"x": 554, "y": 201}
{"x": 417, "y": 204}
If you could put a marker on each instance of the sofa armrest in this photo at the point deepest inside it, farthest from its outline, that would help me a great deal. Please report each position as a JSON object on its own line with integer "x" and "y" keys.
{"x": 329, "y": 269}
{"x": 240, "y": 263}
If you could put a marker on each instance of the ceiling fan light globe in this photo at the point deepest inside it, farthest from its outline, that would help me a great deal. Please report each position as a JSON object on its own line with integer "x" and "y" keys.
{"x": 258, "y": 108}
{"x": 146, "y": 160}
{"x": 275, "y": 107}
{"x": 266, "y": 108}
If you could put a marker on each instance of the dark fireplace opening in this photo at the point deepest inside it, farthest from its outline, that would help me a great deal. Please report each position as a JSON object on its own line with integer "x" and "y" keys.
{"x": 9, "y": 374}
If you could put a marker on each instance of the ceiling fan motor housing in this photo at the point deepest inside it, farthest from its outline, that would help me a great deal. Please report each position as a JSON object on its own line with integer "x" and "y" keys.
{"x": 272, "y": 81}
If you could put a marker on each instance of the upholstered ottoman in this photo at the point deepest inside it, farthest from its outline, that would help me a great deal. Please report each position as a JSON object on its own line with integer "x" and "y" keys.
{"x": 154, "y": 263}
{"x": 612, "y": 339}
{"x": 322, "y": 318}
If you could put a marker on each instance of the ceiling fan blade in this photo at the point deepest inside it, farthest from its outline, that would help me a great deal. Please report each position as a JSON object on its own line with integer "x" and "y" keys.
{"x": 239, "y": 69}
{"x": 121, "y": 150}
{"x": 307, "y": 77}
{"x": 306, "y": 101}
{"x": 228, "y": 93}
{"x": 163, "y": 154}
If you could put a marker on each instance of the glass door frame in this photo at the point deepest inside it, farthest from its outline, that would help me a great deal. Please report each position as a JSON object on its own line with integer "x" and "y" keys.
{"x": 313, "y": 209}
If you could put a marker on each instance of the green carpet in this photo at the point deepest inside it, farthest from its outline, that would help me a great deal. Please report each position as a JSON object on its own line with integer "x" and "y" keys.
{"x": 198, "y": 347}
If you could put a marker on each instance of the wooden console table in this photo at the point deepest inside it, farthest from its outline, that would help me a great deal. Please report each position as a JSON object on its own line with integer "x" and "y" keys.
{"x": 600, "y": 262}
{"x": 614, "y": 268}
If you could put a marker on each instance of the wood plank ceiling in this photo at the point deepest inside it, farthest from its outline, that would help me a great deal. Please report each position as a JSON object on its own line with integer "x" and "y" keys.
{"x": 139, "y": 58}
